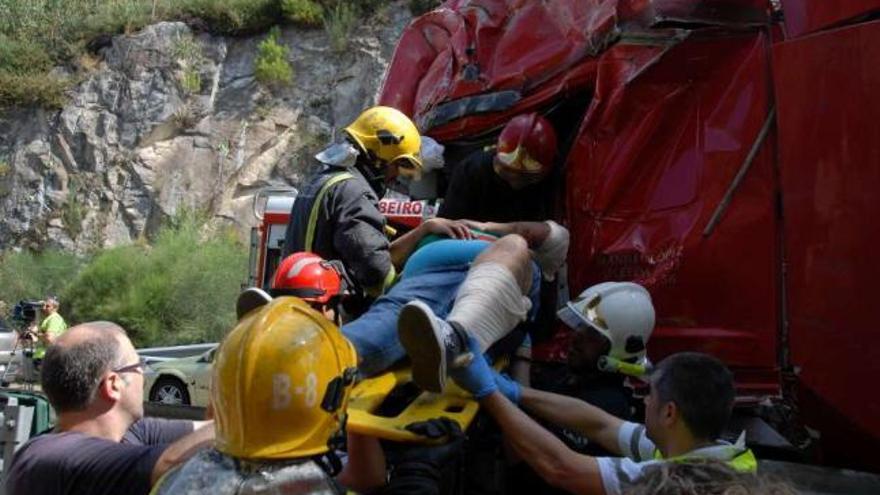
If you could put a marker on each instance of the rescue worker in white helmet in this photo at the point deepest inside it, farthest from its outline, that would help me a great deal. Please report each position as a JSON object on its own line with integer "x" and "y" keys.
{"x": 509, "y": 181}
{"x": 336, "y": 214}
{"x": 281, "y": 380}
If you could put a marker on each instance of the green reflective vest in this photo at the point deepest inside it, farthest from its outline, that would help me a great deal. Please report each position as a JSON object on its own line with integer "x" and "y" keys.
{"x": 737, "y": 456}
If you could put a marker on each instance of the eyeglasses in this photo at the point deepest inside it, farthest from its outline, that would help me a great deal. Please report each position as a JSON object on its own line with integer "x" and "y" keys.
{"x": 140, "y": 367}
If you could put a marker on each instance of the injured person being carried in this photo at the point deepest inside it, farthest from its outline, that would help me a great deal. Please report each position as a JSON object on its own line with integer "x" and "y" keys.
{"x": 449, "y": 289}
{"x": 285, "y": 373}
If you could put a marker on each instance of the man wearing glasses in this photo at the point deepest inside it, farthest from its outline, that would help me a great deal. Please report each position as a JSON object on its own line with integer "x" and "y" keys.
{"x": 102, "y": 443}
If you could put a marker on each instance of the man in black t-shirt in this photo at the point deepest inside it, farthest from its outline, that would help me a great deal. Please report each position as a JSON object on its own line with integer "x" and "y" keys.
{"x": 507, "y": 182}
{"x": 102, "y": 445}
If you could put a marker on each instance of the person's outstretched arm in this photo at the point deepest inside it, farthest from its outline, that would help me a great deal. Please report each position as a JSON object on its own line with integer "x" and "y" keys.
{"x": 403, "y": 246}
{"x": 365, "y": 469}
{"x": 535, "y": 233}
{"x": 547, "y": 455}
{"x": 574, "y": 414}
{"x": 551, "y": 459}
{"x": 181, "y": 450}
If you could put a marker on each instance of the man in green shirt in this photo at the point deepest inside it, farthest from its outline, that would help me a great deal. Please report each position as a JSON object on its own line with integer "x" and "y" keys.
{"x": 52, "y": 326}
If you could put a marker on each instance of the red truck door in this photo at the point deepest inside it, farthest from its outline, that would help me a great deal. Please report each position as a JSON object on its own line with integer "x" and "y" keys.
{"x": 828, "y": 94}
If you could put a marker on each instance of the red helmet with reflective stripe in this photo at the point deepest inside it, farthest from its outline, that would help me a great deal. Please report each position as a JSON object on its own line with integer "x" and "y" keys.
{"x": 527, "y": 145}
{"x": 307, "y": 276}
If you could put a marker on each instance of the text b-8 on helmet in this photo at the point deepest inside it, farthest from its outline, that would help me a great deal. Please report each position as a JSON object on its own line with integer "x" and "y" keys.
{"x": 281, "y": 381}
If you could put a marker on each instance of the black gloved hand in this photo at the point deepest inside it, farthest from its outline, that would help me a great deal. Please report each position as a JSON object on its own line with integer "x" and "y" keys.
{"x": 437, "y": 428}
{"x": 418, "y": 468}
{"x": 436, "y": 454}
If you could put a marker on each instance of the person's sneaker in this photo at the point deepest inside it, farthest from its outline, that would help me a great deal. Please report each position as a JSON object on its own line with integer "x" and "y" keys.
{"x": 432, "y": 345}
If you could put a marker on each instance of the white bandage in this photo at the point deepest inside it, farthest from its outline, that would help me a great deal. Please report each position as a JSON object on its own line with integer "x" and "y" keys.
{"x": 489, "y": 303}
{"x": 550, "y": 255}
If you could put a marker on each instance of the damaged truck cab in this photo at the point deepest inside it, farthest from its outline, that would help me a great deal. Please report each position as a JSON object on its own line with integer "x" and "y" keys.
{"x": 722, "y": 153}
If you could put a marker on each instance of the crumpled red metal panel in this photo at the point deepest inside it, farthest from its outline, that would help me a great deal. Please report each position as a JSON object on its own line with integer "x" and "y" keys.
{"x": 667, "y": 130}
{"x": 830, "y": 168}
{"x": 714, "y": 12}
{"x": 663, "y": 138}
{"x": 807, "y": 16}
{"x": 475, "y": 47}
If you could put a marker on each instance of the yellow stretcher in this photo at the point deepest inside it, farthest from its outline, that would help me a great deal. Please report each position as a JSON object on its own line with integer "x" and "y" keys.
{"x": 365, "y": 417}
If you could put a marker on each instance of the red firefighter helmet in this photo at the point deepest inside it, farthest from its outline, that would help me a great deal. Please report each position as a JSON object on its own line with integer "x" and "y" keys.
{"x": 308, "y": 277}
{"x": 527, "y": 145}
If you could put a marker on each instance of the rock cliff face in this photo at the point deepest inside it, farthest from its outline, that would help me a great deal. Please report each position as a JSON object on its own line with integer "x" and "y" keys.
{"x": 172, "y": 119}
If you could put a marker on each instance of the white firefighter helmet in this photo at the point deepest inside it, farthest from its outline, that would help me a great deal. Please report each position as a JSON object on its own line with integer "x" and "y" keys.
{"x": 620, "y": 311}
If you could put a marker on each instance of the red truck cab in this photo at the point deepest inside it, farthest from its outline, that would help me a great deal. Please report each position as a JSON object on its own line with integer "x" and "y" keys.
{"x": 723, "y": 153}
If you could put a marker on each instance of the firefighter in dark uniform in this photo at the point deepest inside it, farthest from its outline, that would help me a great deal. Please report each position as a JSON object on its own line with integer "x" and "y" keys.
{"x": 337, "y": 214}
{"x": 506, "y": 182}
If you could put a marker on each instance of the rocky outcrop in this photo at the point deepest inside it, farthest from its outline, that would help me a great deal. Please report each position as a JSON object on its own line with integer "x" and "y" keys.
{"x": 172, "y": 119}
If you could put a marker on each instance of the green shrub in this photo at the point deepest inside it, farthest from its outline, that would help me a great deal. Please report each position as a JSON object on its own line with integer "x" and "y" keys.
{"x": 32, "y": 89}
{"x": 180, "y": 290}
{"x": 230, "y": 16}
{"x": 191, "y": 80}
{"x": 271, "y": 66}
{"x": 28, "y": 275}
{"x": 304, "y": 12}
{"x": 339, "y": 24}
{"x": 36, "y": 35}
{"x": 186, "y": 50}
{"x": 23, "y": 56}
{"x": 74, "y": 212}
{"x": 117, "y": 16}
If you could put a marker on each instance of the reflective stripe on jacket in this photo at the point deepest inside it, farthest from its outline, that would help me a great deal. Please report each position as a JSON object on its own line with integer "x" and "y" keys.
{"x": 336, "y": 216}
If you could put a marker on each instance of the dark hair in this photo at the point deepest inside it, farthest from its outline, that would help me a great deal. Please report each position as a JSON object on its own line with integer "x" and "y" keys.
{"x": 71, "y": 373}
{"x": 702, "y": 389}
{"x": 703, "y": 477}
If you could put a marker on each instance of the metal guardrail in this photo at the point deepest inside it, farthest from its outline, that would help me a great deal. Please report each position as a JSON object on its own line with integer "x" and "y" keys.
{"x": 174, "y": 352}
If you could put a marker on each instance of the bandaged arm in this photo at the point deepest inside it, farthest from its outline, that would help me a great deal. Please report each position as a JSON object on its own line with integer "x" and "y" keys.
{"x": 548, "y": 241}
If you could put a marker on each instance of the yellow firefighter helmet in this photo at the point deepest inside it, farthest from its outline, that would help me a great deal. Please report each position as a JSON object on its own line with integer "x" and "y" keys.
{"x": 389, "y": 136}
{"x": 281, "y": 383}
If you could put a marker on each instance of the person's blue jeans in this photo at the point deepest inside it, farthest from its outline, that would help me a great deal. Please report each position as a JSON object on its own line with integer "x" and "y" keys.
{"x": 432, "y": 275}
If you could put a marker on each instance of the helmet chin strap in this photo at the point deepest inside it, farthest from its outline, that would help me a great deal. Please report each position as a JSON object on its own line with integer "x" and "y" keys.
{"x": 609, "y": 364}
{"x": 375, "y": 177}
{"x": 329, "y": 461}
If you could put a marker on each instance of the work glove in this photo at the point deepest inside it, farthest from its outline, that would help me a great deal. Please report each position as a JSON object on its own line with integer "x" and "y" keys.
{"x": 435, "y": 429}
{"x": 420, "y": 468}
{"x": 508, "y": 387}
{"x": 478, "y": 377}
